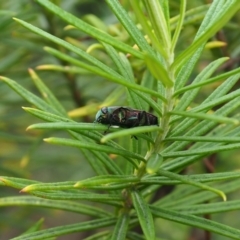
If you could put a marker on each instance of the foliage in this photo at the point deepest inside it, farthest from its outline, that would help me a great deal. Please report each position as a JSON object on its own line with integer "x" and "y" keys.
{"x": 145, "y": 61}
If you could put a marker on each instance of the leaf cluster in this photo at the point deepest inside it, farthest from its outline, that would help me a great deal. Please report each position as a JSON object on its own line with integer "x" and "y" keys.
{"x": 148, "y": 70}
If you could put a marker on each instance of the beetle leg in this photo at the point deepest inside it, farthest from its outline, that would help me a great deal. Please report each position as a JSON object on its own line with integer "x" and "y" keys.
{"x": 107, "y": 130}
{"x": 143, "y": 119}
{"x": 113, "y": 119}
{"x": 133, "y": 136}
{"x": 110, "y": 124}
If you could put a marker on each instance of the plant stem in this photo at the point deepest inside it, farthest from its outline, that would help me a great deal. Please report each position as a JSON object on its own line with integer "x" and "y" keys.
{"x": 167, "y": 107}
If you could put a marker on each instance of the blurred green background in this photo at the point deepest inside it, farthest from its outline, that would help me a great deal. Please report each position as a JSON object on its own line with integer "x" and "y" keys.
{"x": 24, "y": 154}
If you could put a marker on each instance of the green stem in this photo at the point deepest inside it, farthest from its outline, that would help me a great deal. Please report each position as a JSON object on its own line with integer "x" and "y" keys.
{"x": 167, "y": 107}
{"x": 161, "y": 30}
{"x": 142, "y": 166}
{"x": 158, "y": 146}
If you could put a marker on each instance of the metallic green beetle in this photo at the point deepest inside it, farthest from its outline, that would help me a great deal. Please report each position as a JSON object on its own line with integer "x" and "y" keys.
{"x": 125, "y": 117}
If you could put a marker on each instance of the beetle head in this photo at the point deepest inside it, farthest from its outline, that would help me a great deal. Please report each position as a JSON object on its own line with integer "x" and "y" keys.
{"x": 101, "y": 115}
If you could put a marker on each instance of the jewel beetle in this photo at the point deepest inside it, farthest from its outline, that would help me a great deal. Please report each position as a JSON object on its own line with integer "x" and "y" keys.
{"x": 125, "y": 117}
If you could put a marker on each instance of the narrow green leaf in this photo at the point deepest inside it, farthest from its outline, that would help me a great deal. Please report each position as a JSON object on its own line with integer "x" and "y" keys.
{"x": 166, "y": 11}
{"x": 220, "y": 130}
{"x": 31, "y": 98}
{"x": 129, "y": 25}
{"x": 136, "y": 236}
{"x": 105, "y": 72}
{"x": 201, "y": 151}
{"x": 121, "y": 227}
{"x": 47, "y": 116}
{"x": 191, "y": 16}
{"x": 159, "y": 23}
{"x": 207, "y": 116}
{"x": 88, "y": 29}
{"x": 122, "y": 63}
{"x": 74, "y": 194}
{"x": 18, "y": 183}
{"x": 47, "y": 94}
{"x": 187, "y": 180}
{"x": 104, "y": 184}
{"x": 35, "y": 227}
{"x": 220, "y": 77}
{"x": 212, "y": 14}
{"x": 179, "y": 24}
{"x": 147, "y": 29}
{"x": 133, "y": 131}
{"x": 144, "y": 215}
{"x": 106, "y": 180}
{"x": 150, "y": 101}
{"x": 184, "y": 73}
{"x": 210, "y": 208}
{"x": 81, "y": 127}
{"x": 94, "y": 67}
{"x": 63, "y": 125}
{"x": 223, "y": 17}
{"x": 186, "y": 69}
{"x": 66, "y": 125}
{"x": 205, "y": 139}
{"x": 226, "y": 98}
{"x": 110, "y": 187}
{"x": 158, "y": 70}
{"x": 179, "y": 163}
{"x": 61, "y": 205}
{"x": 208, "y": 177}
{"x": 73, "y": 126}
{"x": 225, "y": 110}
{"x": 188, "y": 97}
{"x": 91, "y": 146}
{"x": 111, "y": 199}
{"x": 126, "y": 71}
{"x": 60, "y": 195}
{"x": 49, "y": 186}
{"x": 95, "y": 62}
{"x": 192, "y": 195}
{"x": 112, "y": 97}
{"x": 68, "y": 69}
{"x": 66, "y": 229}
{"x": 97, "y": 165}
{"x": 95, "y": 21}
{"x": 99, "y": 235}
{"x": 106, "y": 161}
{"x": 195, "y": 221}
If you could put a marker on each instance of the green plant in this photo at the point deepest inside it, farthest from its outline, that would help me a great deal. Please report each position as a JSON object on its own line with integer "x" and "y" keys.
{"x": 154, "y": 78}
